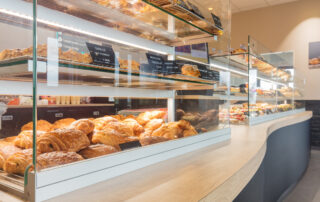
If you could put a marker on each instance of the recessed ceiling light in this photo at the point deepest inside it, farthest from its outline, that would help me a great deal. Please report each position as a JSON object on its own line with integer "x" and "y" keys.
{"x": 210, "y": 9}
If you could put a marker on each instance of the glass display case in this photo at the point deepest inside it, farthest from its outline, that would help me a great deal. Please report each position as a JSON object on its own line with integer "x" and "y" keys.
{"x": 94, "y": 89}
{"x": 262, "y": 83}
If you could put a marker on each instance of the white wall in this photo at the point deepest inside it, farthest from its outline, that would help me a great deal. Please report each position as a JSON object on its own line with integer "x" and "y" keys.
{"x": 284, "y": 27}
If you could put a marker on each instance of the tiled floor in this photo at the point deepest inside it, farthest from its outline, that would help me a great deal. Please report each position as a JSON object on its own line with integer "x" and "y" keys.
{"x": 308, "y": 189}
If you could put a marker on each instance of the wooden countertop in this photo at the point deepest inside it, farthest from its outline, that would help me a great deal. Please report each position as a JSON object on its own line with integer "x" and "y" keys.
{"x": 215, "y": 173}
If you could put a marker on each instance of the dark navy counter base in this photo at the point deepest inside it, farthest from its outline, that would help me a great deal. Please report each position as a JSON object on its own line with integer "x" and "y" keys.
{"x": 286, "y": 159}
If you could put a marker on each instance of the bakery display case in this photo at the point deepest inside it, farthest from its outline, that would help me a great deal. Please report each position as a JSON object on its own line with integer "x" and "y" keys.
{"x": 95, "y": 89}
{"x": 262, "y": 83}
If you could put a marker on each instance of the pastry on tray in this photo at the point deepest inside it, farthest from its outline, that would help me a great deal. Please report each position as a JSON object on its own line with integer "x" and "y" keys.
{"x": 145, "y": 117}
{"x": 18, "y": 162}
{"x": 62, "y": 123}
{"x": 6, "y": 152}
{"x": 56, "y": 158}
{"x": 97, "y": 150}
{"x": 70, "y": 140}
{"x": 85, "y": 125}
{"x": 25, "y": 139}
{"x": 42, "y": 125}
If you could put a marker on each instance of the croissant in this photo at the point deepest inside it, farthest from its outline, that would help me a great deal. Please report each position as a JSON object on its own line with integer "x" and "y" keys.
{"x": 189, "y": 132}
{"x": 42, "y": 125}
{"x": 7, "y": 151}
{"x": 145, "y": 117}
{"x": 101, "y": 122}
{"x": 152, "y": 140}
{"x": 62, "y": 123}
{"x": 109, "y": 137}
{"x": 56, "y": 158}
{"x": 85, "y": 125}
{"x": 7, "y": 141}
{"x": 152, "y": 126}
{"x": 18, "y": 162}
{"x": 121, "y": 128}
{"x": 119, "y": 117}
{"x": 134, "y": 125}
{"x": 25, "y": 139}
{"x": 70, "y": 140}
{"x": 97, "y": 150}
{"x": 169, "y": 130}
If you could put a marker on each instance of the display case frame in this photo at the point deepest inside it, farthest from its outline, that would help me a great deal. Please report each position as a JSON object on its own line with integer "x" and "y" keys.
{"x": 28, "y": 76}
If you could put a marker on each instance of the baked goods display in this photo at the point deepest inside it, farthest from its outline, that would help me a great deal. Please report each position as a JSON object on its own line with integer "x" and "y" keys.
{"x": 69, "y": 55}
{"x": 190, "y": 70}
{"x": 128, "y": 7}
{"x": 201, "y": 122}
{"x": 68, "y": 140}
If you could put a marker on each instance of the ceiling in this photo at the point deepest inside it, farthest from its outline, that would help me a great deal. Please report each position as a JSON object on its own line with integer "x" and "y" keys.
{"x": 244, "y": 5}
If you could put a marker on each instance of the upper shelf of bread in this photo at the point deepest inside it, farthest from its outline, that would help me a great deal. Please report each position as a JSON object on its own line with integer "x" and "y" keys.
{"x": 167, "y": 22}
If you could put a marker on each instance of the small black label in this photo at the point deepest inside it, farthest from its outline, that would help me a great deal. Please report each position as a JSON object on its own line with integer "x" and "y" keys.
{"x": 217, "y": 21}
{"x": 102, "y": 55}
{"x": 130, "y": 145}
{"x": 156, "y": 62}
{"x": 204, "y": 72}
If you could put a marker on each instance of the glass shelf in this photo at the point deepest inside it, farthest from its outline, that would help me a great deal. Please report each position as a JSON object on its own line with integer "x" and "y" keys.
{"x": 88, "y": 74}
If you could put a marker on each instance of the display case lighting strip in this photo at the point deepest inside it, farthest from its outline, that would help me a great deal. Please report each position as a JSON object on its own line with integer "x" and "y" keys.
{"x": 80, "y": 31}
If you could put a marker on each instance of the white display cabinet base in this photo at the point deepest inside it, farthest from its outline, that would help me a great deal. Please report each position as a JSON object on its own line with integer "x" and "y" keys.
{"x": 270, "y": 117}
{"x": 53, "y": 182}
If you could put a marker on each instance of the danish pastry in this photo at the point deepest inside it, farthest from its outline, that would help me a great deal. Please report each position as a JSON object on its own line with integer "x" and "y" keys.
{"x": 152, "y": 126}
{"x": 109, "y": 137}
{"x": 190, "y": 70}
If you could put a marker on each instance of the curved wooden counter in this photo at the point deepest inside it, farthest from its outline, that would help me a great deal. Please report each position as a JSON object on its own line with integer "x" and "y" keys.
{"x": 215, "y": 173}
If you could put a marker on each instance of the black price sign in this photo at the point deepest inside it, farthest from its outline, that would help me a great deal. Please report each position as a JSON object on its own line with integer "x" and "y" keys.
{"x": 130, "y": 145}
{"x": 156, "y": 62}
{"x": 102, "y": 55}
{"x": 217, "y": 21}
{"x": 204, "y": 72}
{"x": 170, "y": 67}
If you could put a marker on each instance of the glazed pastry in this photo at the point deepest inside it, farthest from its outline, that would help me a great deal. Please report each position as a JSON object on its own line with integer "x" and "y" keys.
{"x": 6, "y": 152}
{"x": 5, "y": 54}
{"x": 18, "y": 162}
{"x": 56, "y": 158}
{"x": 70, "y": 140}
{"x": 25, "y": 139}
{"x": 100, "y": 123}
{"x": 134, "y": 125}
{"x": 152, "y": 126}
{"x": 121, "y": 128}
{"x": 152, "y": 140}
{"x": 170, "y": 130}
{"x": 62, "y": 123}
{"x": 190, "y": 70}
{"x": 239, "y": 50}
{"x": 145, "y": 117}
{"x": 97, "y": 150}
{"x": 313, "y": 61}
{"x": 108, "y": 137}
{"x": 42, "y": 125}
{"x": 85, "y": 125}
